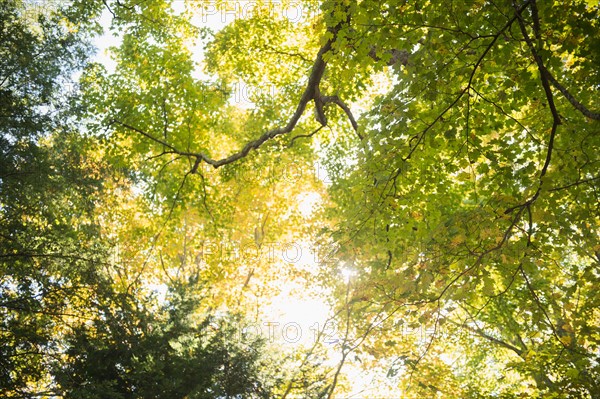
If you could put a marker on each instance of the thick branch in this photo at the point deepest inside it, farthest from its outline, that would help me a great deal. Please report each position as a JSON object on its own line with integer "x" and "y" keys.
{"x": 544, "y": 77}
{"x": 338, "y": 101}
{"x": 311, "y": 92}
{"x": 542, "y": 69}
{"x": 576, "y": 104}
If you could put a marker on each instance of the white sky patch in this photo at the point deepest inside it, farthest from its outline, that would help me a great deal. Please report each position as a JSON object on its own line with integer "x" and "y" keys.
{"x": 105, "y": 41}
{"x": 308, "y": 202}
{"x": 347, "y": 273}
{"x": 160, "y": 290}
{"x": 295, "y": 316}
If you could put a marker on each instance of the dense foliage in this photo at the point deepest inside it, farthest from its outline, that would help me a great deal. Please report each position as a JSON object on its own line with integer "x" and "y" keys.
{"x": 435, "y": 163}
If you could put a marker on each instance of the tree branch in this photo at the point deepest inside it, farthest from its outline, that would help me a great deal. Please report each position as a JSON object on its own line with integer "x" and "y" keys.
{"x": 485, "y": 335}
{"x": 578, "y": 106}
{"x": 338, "y": 101}
{"x": 549, "y": 96}
{"x": 317, "y": 130}
{"x": 311, "y": 92}
{"x": 419, "y": 136}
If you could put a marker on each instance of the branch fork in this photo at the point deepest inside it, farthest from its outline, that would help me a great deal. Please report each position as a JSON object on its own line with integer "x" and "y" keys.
{"x": 311, "y": 93}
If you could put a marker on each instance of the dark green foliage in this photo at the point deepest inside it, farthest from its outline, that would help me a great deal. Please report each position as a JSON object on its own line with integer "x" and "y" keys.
{"x": 48, "y": 250}
{"x": 140, "y": 349}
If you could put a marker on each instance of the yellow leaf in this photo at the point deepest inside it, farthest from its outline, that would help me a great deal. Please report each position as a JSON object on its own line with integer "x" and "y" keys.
{"x": 457, "y": 240}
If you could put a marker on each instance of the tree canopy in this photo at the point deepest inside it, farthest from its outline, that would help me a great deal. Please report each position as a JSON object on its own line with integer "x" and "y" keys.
{"x": 426, "y": 171}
